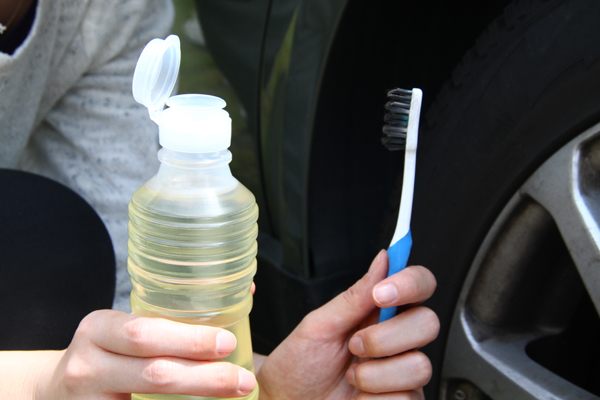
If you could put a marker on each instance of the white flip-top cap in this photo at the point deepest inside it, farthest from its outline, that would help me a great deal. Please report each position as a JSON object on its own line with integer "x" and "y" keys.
{"x": 192, "y": 123}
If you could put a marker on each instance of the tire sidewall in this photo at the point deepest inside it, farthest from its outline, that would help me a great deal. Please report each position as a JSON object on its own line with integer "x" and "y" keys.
{"x": 515, "y": 100}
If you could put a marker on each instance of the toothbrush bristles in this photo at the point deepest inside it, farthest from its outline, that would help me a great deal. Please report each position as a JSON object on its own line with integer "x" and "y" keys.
{"x": 396, "y": 119}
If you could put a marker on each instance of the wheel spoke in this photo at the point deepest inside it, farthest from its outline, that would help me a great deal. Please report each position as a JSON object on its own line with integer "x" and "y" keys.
{"x": 500, "y": 367}
{"x": 483, "y": 347}
{"x": 557, "y": 186}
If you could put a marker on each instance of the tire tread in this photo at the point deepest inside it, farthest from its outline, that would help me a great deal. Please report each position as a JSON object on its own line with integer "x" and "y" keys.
{"x": 515, "y": 18}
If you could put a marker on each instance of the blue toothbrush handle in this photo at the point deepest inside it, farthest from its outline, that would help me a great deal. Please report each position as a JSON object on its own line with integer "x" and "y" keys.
{"x": 398, "y": 256}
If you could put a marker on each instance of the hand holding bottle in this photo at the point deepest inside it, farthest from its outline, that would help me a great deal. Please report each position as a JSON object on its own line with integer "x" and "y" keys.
{"x": 114, "y": 354}
{"x": 330, "y": 355}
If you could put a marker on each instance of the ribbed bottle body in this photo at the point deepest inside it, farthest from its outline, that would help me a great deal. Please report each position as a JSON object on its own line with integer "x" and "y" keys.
{"x": 192, "y": 249}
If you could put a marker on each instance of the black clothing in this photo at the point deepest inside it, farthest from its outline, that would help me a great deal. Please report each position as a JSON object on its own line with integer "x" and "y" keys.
{"x": 13, "y": 38}
{"x": 56, "y": 262}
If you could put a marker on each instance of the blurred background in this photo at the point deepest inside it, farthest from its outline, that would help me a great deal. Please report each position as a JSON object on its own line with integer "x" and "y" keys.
{"x": 199, "y": 74}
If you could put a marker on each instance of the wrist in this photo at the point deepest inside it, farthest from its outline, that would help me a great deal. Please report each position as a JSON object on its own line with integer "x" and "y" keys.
{"x": 26, "y": 375}
{"x": 43, "y": 377}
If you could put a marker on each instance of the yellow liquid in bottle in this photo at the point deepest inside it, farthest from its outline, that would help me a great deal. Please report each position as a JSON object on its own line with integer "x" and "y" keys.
{"x": 242, "y": 355}
{"x": 192, "y": 255}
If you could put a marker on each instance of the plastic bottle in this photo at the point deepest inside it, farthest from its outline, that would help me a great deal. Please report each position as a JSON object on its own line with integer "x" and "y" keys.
{"x": 192, "y": 228}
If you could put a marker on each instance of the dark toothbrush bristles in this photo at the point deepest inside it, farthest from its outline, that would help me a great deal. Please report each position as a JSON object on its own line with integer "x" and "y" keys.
{"x": 396, "y": 119}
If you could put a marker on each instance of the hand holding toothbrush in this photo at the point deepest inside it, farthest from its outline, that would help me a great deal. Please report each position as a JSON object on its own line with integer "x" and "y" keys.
{"x": 342, "y": 339}
{"x": 335, "y": 351}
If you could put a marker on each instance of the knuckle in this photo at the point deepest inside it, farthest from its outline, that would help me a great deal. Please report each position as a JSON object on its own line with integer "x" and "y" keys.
{"x": 431, "y": 278}
{"x": 86, "y": 325}
{"x": 350, "y": 294}
{"x": 411, "y": 288}
{"x": 373, "y": 343}
{"x": 310, "y": 327}
{"x": 363, "y": 378}
{"x": 431, "y": 323}
{"x": 199, "y": 341}
{"x": 422, "y": 369}
{"x": 353, "y": 296}
{"x": 425, "y": 279}
{"x": 76, "y": 374}
{"x": 308, "y": 322}
{"x": 138, "y": 333}
{"x": 226, "y": 378}
{"x": 159, "y": 374}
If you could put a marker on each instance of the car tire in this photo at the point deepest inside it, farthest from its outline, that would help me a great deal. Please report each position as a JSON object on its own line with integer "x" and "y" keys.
{"x": 529, "y": 86}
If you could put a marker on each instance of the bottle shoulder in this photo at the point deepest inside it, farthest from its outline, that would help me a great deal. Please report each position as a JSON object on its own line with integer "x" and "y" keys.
{"x": 188, "y": 202}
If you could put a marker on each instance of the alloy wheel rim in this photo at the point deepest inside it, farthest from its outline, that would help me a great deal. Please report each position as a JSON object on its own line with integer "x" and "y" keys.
{"x": 535, "y": 268}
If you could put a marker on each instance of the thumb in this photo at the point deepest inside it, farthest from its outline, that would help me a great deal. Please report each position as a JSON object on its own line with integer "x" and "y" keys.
{"x": 350, "y": 308}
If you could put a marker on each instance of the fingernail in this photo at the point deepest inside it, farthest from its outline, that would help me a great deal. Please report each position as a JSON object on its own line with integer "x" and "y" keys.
{"x": 225, "y": 342}
{"x": 385, "y": 293}
{"x": 246, "y": 381}
{"x": 357, "y": 346}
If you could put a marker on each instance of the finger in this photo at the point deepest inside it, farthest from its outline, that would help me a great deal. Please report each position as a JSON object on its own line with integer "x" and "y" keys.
{"x": 115, "y": 373}
{"x": 409, "y": 395}
{"x": 412, "y": 285}
{"x": 253, "y": 287}
{"x": 409, "y": 330}
{"x": 348, "y": 309}
{"x": 372, "y": 319}
{"x": 404, "y": 372}
{"x": 133, "y": 335}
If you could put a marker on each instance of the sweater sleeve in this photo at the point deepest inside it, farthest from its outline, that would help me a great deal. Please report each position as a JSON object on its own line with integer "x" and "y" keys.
{"x": 95, "y": 138}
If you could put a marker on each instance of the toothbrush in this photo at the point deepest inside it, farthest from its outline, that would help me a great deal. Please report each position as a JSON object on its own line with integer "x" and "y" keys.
{"x": 401, "y": 133}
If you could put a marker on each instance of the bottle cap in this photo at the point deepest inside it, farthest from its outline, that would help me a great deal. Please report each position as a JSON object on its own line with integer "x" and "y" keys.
{"x": 191, "y": 123}
{"x": 156, "y": 73}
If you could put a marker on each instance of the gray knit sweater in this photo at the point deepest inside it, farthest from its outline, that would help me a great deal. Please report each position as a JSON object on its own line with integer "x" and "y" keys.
{"x": 67, "y": 112}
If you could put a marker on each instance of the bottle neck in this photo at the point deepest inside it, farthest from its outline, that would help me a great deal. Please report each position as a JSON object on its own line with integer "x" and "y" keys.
{"x": 193, "y": 171}
{"x": 179, "y": 159}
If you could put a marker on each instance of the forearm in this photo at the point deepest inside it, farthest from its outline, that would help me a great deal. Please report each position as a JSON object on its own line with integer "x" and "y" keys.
{"x": 26, "y": 375}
